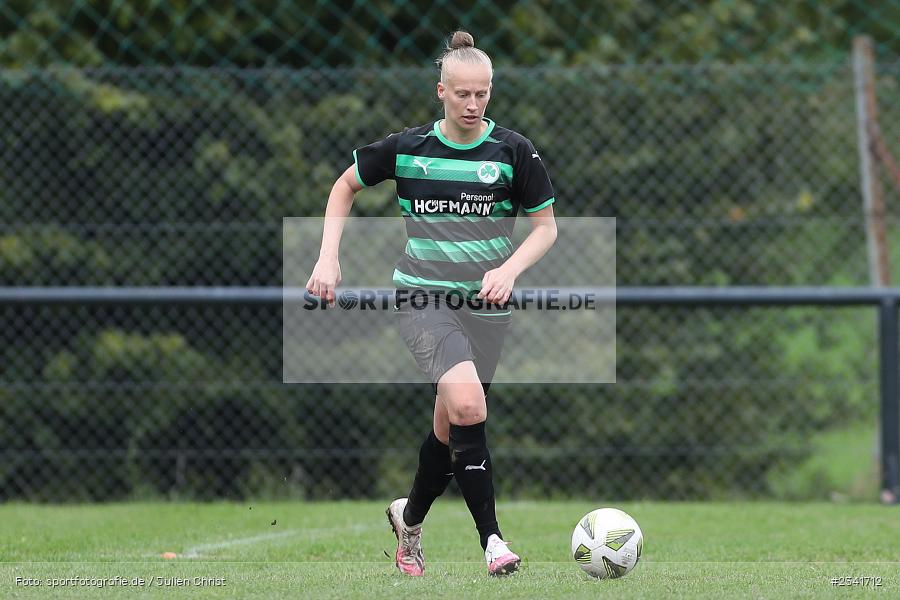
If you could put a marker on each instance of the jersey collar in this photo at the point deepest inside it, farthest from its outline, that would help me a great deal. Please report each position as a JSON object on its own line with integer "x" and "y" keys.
{"x": 469, "y": 146}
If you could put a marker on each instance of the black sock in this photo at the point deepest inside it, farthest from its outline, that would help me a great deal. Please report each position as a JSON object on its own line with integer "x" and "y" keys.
{"x": 432, "y": 478}
{"x": 474, "y": 475}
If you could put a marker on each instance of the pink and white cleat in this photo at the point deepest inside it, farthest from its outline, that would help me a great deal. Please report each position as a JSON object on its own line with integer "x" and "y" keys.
{"x": 409, "y": 559}
{"x": 500, "y": 559}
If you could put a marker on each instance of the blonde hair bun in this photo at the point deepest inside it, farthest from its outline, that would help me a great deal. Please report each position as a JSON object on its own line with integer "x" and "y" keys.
{"x": 461, "y": 48}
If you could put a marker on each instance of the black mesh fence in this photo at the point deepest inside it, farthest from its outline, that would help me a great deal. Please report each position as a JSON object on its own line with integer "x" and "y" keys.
{"x": 717, "y": 175}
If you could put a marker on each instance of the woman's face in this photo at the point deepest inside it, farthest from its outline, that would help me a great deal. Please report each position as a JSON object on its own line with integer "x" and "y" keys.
{"x": 465, "y": 92}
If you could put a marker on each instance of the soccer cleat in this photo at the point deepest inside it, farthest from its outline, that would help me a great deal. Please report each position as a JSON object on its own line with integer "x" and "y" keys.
{"x": 409, "y": 558}
{"x": 500, "y": 559}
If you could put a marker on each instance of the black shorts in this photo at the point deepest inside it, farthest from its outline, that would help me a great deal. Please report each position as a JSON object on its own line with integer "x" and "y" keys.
{"x": 440, "y": 337}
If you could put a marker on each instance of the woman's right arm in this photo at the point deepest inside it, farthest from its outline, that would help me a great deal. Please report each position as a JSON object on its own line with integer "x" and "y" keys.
{"x": 327, "y": 273}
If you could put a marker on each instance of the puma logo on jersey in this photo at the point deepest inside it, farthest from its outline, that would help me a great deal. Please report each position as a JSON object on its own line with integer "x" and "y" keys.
{"x": 424, "y": 166}
{"x": 534, "y": 155}
{"x": 476, "y": 467}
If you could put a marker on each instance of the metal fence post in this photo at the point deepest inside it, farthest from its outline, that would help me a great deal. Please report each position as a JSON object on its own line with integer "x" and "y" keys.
{"x": 890, "y": 402}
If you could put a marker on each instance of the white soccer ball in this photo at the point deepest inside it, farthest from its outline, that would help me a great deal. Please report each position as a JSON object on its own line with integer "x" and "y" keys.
{"x": 607, "y": 543}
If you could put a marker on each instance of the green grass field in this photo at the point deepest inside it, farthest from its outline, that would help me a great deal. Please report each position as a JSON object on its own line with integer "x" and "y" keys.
{"x": 336, "y": 550}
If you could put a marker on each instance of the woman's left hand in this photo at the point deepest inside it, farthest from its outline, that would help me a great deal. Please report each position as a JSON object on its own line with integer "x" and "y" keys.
{"x": 497, "y": 285}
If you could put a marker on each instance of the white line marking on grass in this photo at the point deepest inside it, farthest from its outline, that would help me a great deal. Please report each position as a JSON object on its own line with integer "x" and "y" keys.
{"x": 200, "y": 550}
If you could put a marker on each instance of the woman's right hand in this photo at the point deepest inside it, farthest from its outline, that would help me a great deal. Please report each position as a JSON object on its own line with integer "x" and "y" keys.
{"x": 325, "y": 277}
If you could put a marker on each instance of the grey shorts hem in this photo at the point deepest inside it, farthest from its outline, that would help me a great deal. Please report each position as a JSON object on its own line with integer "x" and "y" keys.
{"x": 439, "y": 338}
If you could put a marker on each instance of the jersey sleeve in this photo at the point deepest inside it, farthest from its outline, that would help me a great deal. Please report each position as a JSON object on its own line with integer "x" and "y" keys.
{"x": 531, "y": 183}
{"x": 376, "y": 162}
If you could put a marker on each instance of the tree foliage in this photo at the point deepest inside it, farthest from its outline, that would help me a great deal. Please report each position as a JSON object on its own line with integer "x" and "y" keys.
{"x": 180, "y": 176}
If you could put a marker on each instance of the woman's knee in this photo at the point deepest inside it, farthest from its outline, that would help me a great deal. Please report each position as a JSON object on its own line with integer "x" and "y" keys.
{"x": 467, "y": 409}
{"x": 463, "y": 395}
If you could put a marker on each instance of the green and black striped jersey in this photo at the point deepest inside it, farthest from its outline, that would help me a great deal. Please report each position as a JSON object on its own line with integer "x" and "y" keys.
{"x": 459, "y": 200}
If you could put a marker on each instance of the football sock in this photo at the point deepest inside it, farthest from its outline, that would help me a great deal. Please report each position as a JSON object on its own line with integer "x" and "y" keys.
{"x": 474, "y": 476}
{"x": 432, "y": 478}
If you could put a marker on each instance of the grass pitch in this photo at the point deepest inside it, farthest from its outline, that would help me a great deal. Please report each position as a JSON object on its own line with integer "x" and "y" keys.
{"x": 337, "y": 550}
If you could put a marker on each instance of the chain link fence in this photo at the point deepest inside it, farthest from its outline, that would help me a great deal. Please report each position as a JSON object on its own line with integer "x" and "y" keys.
{"x": 145, "y": 143}
{"x": 523, "y": 33}
{"x": 157, "y": 176}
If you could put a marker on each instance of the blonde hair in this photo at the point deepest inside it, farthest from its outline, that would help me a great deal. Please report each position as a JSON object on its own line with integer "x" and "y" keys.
{"x": 461, "y": 48}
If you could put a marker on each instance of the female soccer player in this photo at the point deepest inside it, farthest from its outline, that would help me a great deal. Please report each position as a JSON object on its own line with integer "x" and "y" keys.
{"x": 460, "y": 183}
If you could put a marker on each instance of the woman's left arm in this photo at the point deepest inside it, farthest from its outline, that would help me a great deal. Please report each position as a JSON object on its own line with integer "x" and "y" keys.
{"x": 497, "y": 284}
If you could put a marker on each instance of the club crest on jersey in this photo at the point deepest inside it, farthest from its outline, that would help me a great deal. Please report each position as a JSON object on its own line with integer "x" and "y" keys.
{"x": 488, "y": 172}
